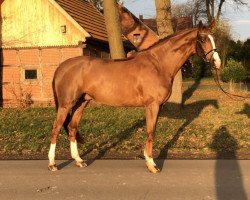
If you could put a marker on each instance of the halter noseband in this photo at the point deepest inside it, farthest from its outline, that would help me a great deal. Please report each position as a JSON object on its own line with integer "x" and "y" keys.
{"x": 212, "y": 50}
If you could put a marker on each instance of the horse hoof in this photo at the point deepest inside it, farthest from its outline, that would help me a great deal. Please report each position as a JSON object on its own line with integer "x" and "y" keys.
{"x": 52, "y": 168}
{"x": 152, "y": 168}
{"x": 81, "y": 164}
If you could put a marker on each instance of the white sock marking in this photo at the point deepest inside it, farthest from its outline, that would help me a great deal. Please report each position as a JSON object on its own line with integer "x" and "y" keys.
{"x": 217, "y": 61}
{"x": 74, "y": 151}
{"x": 149, "y": 160}
{"x": 51, "y": 154}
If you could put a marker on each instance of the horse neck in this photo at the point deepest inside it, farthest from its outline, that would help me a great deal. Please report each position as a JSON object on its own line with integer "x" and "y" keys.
{"x": 173, "y": 52}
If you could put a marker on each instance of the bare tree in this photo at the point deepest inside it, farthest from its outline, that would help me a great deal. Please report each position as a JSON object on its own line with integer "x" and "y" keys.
{"x": 192, "y": 8}
{"x": 214, "y": 8}
{"x": 114, "y": 31}
{"x": 203, "y": 10}
{"x": 165, "y": 28}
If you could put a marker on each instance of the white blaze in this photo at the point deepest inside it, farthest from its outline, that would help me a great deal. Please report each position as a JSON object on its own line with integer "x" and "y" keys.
{"x": 217, "y": 61}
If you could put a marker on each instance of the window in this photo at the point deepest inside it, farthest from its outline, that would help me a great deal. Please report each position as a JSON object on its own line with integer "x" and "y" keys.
{"x": 63, "y": 29}
{"x": 137, "y": 38}
{"x": 30, "y": 74}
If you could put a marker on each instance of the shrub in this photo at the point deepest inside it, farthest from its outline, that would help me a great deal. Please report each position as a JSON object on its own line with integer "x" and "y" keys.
{"x": 233, "y": 71}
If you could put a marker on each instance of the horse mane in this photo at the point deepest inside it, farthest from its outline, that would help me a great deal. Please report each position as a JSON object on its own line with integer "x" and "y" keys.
{"x": 163, "y": 40}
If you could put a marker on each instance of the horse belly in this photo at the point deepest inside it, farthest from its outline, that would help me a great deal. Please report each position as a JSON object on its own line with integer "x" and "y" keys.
{"x": 115, "y": 95}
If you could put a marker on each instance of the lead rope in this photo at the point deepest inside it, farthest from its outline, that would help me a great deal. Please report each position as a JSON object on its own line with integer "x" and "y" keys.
{"x": 230, "y": 95}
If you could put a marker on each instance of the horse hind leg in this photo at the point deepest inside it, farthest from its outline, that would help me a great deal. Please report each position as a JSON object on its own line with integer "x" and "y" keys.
{"x": 72, "y": 127}
{"x": 60, "y": 118}
{"x": 79, "y": 138}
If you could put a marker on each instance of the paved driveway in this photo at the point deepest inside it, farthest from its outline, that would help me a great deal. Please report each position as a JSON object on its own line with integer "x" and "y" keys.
{"x": 126, "y": 179}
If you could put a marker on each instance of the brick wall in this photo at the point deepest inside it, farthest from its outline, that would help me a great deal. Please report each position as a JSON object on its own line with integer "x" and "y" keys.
{"x": 20, "y": 91}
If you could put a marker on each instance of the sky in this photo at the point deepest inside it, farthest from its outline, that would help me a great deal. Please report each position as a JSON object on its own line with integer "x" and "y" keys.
{"x": 239, "y": 19}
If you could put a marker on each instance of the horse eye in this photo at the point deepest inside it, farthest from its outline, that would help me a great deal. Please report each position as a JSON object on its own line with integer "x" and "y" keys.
{"x": 203, "y": 40}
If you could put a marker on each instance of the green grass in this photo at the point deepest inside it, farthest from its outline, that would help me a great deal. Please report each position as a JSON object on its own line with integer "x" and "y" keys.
{"x": 209, "y": 125}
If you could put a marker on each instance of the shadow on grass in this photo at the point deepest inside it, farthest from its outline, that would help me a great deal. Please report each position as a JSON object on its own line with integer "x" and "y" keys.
{"x": 228, "y": 178}
{"x": 189, "y": 92}
{"x": 189, "y": 112}
{"x": 245, "y": 111}
{"x": 116, "y": 140}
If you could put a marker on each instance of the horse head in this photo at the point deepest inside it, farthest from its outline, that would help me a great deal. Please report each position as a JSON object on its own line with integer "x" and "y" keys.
{"x": 205, "y": 46}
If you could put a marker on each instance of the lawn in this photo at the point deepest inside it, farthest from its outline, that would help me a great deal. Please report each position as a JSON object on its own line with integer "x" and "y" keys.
{"x": 209, "y": 125}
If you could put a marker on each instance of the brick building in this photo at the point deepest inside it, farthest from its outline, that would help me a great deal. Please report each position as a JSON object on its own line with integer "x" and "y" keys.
{"x": 36, "y": 36}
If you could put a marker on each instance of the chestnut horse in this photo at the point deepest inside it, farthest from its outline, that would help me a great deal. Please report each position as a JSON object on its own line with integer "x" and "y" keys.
{"x": 142, "y": 81}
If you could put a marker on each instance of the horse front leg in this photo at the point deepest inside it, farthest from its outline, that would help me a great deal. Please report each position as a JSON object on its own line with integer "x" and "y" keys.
{"x": 151, "y": 118}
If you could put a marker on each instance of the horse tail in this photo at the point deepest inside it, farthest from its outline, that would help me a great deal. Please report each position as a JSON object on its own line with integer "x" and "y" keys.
{"x": 54, "y": 93}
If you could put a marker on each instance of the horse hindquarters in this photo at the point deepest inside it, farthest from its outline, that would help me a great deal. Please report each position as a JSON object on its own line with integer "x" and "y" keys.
{"x": 67, "y": 95}
{"x": 72, "y": 128}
